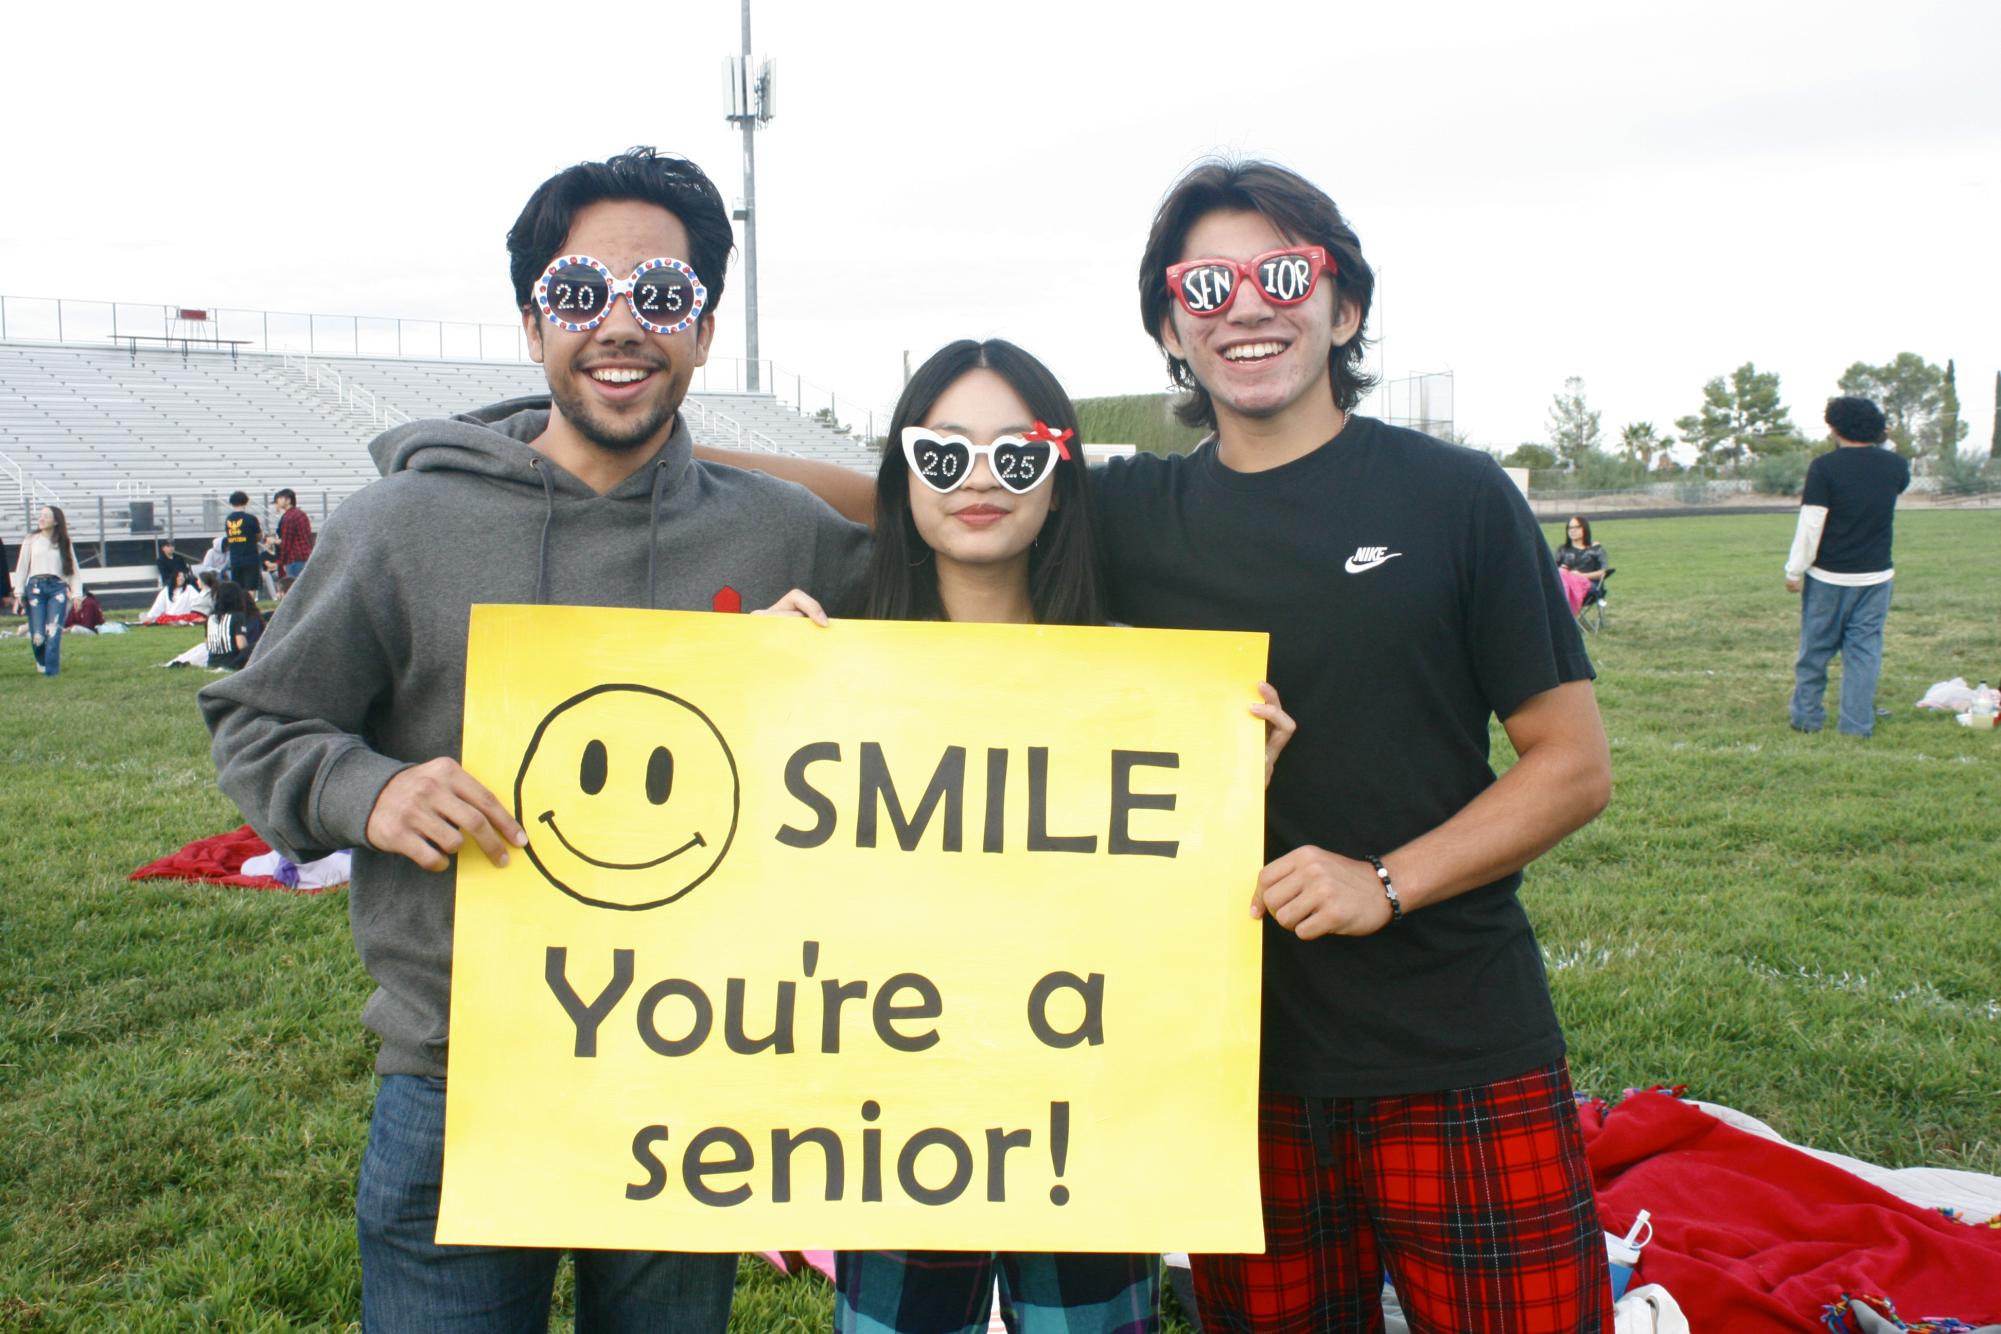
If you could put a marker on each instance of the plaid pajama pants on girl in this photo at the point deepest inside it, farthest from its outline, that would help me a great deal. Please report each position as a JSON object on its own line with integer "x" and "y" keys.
{"x": 1476, "y": 1201}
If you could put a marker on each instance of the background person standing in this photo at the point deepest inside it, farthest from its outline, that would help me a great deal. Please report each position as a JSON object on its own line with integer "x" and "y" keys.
{"x": 1840, "y": 566}
{"x": 44, "y": 584}
{"x": 295, "y": 533}
{"x": 241, "y": 534}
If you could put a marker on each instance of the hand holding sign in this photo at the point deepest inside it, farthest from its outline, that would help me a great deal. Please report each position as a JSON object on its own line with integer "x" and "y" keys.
{"x": 427, "y": 811}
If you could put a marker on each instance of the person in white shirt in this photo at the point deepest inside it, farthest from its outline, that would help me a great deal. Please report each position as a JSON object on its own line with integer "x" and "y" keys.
{"x": 45, "y": 581}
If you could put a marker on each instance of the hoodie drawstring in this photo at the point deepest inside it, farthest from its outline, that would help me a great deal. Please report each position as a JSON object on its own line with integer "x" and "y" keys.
{"x": 653, "y": 530}
{"x": 548, "y": 521}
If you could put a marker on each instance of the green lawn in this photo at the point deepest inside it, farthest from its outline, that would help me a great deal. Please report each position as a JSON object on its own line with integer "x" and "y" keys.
{"x": 1808, "y": 928}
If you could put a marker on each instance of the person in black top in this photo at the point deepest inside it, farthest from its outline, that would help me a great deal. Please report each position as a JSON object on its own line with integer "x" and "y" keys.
{"x": 229, "y": 638}
{"x": 1410, "y": 599}
{"x": 171, "y": 562}
{"x": 1409, "y": 1042}
{"x": 1582, "y": 558}
{"x": 1579, "y": 552}
{"x": 242, "y": 538}
{"x": 1840, "y": 566}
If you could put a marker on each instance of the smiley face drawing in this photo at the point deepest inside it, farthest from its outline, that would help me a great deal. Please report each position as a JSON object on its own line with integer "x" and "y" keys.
{"x": 629, "y": 796}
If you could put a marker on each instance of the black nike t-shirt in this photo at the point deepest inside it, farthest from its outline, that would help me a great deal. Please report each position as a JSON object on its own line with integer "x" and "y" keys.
{"x": 1409, "y": 599}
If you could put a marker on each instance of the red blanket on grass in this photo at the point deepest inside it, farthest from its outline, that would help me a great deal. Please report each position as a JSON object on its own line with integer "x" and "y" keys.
{"x": 1750, "y": 1235}
{"x": 218, "y": 860}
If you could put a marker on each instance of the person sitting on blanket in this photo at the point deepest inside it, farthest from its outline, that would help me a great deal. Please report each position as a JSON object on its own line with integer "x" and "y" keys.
{"x": 85, "y": 613}
{"x": 175, "y": 598}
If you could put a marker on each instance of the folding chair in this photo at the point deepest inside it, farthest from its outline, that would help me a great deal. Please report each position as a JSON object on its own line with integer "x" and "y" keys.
{"x": 1592, "y": 614}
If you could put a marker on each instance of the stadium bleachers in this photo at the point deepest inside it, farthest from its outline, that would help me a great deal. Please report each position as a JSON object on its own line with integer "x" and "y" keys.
{"x": 105, "y": 425}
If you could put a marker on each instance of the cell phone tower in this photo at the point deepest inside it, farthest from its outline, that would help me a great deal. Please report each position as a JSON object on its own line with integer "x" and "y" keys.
{"x": 749, "y": 99}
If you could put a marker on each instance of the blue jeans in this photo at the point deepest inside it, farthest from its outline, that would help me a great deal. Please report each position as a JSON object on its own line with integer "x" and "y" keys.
{"x": 47, "y": 599}
{"x": 409, "y": 1282}
{"x": 1849, "y": 621}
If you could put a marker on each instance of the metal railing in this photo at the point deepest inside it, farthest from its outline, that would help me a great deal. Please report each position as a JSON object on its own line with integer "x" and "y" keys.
{"x": 742, "y": 437}
{"x": 63, "y": 320}
{"x": 189, "y": 514}
{"x": 28, "y": 491}
{"x": 303, "y": 342}
{"x": 323, "y": 381}
{"x": 839, "y": 413}
{"x": 318, "y": 335}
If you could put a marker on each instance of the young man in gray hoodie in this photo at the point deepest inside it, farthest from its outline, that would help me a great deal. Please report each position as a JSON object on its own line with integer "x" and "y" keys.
{"x": 344, "y": 730}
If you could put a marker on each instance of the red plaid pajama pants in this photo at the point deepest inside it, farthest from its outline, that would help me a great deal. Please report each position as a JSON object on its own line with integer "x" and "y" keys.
{"x": 1476, "y": 1201}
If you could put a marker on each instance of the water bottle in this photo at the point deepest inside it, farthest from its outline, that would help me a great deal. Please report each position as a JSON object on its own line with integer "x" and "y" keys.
{"x": 1624, "y": 1252}
{"x": 1986, "y": 705}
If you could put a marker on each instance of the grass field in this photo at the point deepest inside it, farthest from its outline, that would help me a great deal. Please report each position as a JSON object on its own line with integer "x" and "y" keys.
{"x": 1808, "y": 928}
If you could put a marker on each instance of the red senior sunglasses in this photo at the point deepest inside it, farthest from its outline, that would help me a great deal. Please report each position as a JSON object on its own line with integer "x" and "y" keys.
{"x": 1285, "y": 277}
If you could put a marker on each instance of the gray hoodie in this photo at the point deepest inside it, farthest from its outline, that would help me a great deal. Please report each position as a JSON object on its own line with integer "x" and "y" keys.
{"x": 362, "y": 672}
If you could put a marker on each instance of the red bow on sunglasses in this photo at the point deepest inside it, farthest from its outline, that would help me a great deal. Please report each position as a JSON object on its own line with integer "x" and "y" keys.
{"x": 1060, "y": 439}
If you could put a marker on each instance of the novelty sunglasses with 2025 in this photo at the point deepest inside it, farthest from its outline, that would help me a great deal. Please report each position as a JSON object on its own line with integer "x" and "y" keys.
{"x": 1020, "y": 463}
{"x": 576, "y": 292}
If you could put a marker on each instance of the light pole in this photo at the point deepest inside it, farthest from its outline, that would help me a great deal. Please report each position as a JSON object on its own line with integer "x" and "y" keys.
{"x": 750, "y": 105}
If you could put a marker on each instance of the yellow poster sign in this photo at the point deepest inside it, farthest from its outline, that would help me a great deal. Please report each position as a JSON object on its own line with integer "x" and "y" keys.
{"x": 876, "y": 935}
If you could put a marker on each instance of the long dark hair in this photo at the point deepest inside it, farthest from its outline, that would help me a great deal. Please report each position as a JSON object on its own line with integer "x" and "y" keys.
{"x": 1064, "y": 584}
{"x": 1295, "y": 206}
{"x": 1581, "y": 522}
{"x": 60, "y": 536}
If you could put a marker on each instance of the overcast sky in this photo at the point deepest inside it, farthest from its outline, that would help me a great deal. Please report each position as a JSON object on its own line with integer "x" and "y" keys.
{"x": 1644, "y": 195}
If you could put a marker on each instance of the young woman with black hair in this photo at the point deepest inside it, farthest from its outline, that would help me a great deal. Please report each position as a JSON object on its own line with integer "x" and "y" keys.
{"x": 177, "y": 595}
{"x": 229, "y": 632}
{"x": 1581, "y": 562}
{"x": 983, "y": 513}
{"x": 45, "y": 581}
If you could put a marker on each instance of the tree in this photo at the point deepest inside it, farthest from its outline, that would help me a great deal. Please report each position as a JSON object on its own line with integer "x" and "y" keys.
{"x": 1640, "y": 442}
{"x": 1741, "y": 416}
{"x": 1947, "y": 429}
{"x": 1573, "y": 425}
{"x": 1910, "y": 390}
{"x": 1994, "y": 445}
{"x": 1532, "y": 456}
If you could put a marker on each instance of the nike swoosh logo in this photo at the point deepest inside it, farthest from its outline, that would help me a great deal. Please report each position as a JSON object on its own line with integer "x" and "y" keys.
{"x": 1357, "y": 566}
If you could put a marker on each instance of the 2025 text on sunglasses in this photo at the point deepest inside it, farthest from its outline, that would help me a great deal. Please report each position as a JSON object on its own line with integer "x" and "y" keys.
{"x": 576, "y": 292}
{"x": 1020, "y": 463}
